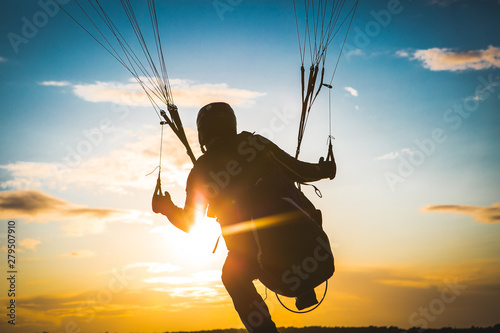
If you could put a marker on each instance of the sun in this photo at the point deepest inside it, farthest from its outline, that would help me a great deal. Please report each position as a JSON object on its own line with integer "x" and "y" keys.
{"x": 198, "y": 245}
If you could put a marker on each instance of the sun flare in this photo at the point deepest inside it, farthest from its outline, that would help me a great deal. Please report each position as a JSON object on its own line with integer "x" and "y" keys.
{"x": 198, "y": 245}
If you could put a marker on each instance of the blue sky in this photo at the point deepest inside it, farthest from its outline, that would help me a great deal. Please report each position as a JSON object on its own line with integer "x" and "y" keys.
{"x": 415, "y": 116}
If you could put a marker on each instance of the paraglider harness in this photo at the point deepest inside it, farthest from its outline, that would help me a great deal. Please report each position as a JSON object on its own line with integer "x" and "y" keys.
{"x": 293, "y": 251}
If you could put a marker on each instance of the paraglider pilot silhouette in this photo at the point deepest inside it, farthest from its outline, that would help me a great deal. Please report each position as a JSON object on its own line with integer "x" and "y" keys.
{"x": 273, "y": 233}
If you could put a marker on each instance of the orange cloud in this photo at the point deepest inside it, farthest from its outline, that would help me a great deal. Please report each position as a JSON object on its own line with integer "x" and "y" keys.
{"x": 30, "y": 243}
{"x": 481, "y": 214}
{"x": 386, "y": 295}
{"x": 95, "y": 310}
{"x": 38, "y": 282}
{"x": 34, "y": 204}
{"x": 79, "y": 254}
{"x": 443, "y": 59}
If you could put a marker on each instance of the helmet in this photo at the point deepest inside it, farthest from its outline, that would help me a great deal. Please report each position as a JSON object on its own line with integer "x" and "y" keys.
{"x": 215, "y": 121}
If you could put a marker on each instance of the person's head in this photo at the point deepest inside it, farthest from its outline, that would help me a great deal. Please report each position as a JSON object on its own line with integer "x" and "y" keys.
{"x": 215, "y": 121}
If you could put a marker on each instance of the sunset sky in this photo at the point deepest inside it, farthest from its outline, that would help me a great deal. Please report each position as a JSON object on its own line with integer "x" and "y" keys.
{"x": 413, "y": 214}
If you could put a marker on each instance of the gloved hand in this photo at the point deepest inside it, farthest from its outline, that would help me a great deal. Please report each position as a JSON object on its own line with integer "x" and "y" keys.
{"x": 161, "y": 202}
{"x": 328, "y": 168}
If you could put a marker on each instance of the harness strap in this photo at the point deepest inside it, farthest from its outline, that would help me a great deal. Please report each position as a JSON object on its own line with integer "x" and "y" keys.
{"x": 217, "y": 243}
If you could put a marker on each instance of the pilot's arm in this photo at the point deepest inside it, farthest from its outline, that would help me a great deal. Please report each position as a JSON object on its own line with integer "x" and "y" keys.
{"x": 182, "y": 218}
{"x": 301, "y": 171}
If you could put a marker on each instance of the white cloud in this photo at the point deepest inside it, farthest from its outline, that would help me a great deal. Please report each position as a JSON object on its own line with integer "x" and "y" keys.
{"x": 484, "y": 93}
{"x": 115, "y": 92}
{"x": 122, "y": 171}
{"x": 351, "y": 91}
{"x": 388, "y": 156}
{"x": 394, "y": 154}
{"x": 402, "y": 53}
{"x": 186, "y": 93}
{"x": 55, "y": 83}
{"x": 356, "y": 52}
{"x": 443, "y": 59}
{"x": 2, "y": 59}
{"x": 190, "y": 93}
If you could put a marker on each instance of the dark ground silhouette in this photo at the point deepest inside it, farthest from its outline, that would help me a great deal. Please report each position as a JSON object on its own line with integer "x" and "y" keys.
{"x": 368, "y": 329}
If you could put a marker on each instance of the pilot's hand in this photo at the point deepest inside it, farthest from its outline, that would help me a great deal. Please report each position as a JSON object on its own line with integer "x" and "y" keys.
{"x": 328, "y": 168}
{"x": 160, "y": 202}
